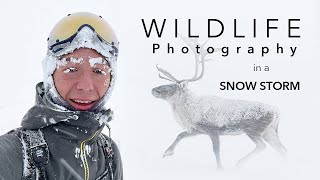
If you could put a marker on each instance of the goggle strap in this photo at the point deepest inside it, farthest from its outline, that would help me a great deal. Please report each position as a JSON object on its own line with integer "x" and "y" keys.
{"x": 68, "y": 40}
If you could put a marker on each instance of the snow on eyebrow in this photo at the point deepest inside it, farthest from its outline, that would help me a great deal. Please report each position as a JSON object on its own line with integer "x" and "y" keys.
{"x": 61, "y": 62}
{"x": 64, "y": 61}
{"x": 76, "y": 60}
{"x": 94, "y": 61}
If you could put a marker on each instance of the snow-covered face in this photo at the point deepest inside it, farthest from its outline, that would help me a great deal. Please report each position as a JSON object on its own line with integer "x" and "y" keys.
{"x": 82, "y": 78}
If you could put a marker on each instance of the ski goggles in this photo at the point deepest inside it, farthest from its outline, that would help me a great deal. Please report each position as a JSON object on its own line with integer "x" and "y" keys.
{"x": 67, "y": 29}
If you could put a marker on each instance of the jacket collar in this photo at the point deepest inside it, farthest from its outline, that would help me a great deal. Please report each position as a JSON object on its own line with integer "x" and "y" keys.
{"x": 74, "y": 124}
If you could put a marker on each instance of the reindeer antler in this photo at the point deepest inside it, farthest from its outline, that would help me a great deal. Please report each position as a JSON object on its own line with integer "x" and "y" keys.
{"x": 199, "y": 59}
{"x": 166, "y": 73}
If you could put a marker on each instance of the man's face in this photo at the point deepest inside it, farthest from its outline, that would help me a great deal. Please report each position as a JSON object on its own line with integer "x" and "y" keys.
{"x": 82, "y": 78}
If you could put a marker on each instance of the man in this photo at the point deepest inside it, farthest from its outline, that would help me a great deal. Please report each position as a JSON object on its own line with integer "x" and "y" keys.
{"x": 61, "y": 137}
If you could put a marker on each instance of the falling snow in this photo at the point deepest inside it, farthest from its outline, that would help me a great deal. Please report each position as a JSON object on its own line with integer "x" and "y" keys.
{"x": 77, "y": 152}
{"x": 88, "y": 150}
{"x": 52, "y": 121}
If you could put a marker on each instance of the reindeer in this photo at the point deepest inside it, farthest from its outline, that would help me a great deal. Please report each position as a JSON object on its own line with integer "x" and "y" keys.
{"x": 215, "y": 116}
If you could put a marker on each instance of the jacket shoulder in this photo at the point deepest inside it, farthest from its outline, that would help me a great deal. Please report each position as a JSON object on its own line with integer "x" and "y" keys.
{"x": 11, "y": 157}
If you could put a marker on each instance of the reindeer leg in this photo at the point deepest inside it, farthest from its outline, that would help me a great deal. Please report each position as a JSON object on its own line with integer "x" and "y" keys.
{"x": 215, "y": 139}
{"x": 260, "y": 146}
{"x": 271, "y": 136}
{"x": 182, "y": 135}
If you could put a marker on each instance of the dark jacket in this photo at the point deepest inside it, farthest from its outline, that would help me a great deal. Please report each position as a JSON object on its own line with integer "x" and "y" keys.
{"x": 72, "y": 138}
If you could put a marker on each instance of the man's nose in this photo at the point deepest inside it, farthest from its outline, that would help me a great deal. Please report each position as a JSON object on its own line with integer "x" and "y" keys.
{"x": 85, "y": 82}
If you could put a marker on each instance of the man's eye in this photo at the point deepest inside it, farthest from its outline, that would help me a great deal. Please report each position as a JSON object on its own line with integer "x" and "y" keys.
{"x": 99, "y": 71}
{"x": 70, "y": 69}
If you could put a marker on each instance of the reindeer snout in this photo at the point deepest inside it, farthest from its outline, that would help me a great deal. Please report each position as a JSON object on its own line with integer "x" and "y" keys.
{"x": 155, "y": 92}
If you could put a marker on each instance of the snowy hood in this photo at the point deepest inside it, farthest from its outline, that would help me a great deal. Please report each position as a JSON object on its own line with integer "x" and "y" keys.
{"x": 45, "y": 113}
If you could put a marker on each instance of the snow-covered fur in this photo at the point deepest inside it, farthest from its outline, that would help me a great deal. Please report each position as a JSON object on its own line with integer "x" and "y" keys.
{"x": 217, "y": 111}
{"x": 190, "y": 110}
{"x": 215, "y": 116}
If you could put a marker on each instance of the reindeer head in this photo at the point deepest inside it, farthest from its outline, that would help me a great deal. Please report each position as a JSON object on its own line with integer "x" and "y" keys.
{"x": 167, "y": 92}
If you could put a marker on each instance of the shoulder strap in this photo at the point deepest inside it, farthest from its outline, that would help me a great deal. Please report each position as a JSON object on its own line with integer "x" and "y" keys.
{"x": 105, "y": 142}
{"x": 35, "y": 153}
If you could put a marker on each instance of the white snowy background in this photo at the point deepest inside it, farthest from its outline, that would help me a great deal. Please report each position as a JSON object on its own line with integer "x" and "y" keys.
{"x": 144, "y": 126}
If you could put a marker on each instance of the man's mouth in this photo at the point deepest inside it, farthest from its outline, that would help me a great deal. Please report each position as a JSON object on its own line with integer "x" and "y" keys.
{"x": 82, "y": 105}
{"x": 82, "y": 102}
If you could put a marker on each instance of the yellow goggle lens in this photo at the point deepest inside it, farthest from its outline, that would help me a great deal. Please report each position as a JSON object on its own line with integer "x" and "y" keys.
{"x": 69, "y": 25}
